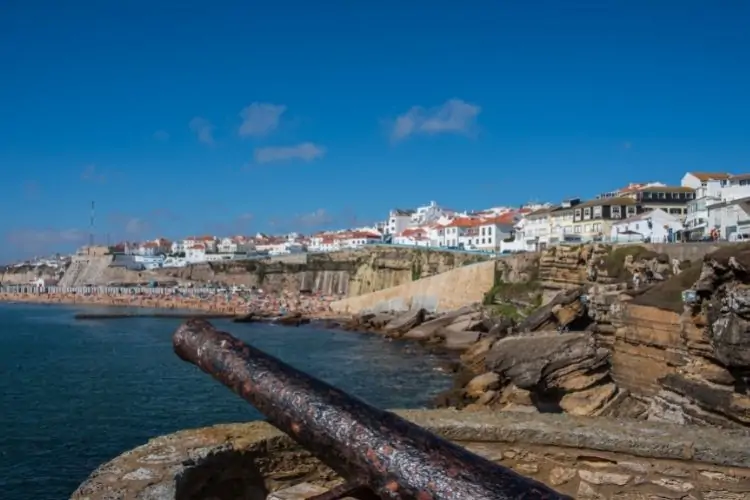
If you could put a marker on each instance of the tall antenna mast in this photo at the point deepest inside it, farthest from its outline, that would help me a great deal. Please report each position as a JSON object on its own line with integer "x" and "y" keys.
{"x": 91, "y": 226}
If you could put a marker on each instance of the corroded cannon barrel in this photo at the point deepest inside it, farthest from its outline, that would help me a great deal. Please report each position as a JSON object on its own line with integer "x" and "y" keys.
{"x": 370, "y": 448}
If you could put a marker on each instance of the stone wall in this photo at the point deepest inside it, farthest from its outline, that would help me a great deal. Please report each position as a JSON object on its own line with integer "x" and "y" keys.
{"x": 446, "y": 291}
{"x": 26, "y": 274}
{"x": 582, "y": 457}
{"x": 348, "y": 273}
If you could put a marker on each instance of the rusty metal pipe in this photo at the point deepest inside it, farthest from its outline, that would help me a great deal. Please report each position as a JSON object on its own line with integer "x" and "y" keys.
{"x": 395, "y": 458}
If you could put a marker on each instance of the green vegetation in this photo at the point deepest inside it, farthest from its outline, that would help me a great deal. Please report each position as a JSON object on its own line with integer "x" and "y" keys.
{"x": 502, "y": 299}
{"x": 416, "y": 270}
{"x": 667, "y": 295}
{"x": 614, "y": 263}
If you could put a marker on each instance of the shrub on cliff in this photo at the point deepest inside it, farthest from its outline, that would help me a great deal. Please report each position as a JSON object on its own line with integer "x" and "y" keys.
{"x": 614, "y": 262}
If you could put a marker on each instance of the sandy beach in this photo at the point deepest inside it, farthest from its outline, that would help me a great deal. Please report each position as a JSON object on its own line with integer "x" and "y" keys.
{"x": 311, "y": 306}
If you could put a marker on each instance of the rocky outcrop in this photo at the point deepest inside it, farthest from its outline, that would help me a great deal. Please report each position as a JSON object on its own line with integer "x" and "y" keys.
{"x": 23, "y": 275}
{"x": 681, "y": 348}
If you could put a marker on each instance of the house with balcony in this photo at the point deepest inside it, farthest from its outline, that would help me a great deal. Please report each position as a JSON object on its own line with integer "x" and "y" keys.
{"x": 537, "y": 229}
{"x": 672, "y": 199}
{"x": 717, "y": 206}
{"x": 592, "y": 220}
{"x": 561, "y": 220}
{"x": 654, "y": 226}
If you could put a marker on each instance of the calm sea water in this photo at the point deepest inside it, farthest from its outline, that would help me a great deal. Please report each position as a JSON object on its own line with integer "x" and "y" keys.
{"x": 75, "y": 394}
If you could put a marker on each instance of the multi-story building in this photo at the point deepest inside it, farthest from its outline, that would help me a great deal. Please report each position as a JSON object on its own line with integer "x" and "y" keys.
{"x": 672, "y": 199}
{"x": 592, "y": 220}
{"x": 561, "y": 222}
{"x": 398, "y": 220}
{"x": 537, "y": 229}
{"x": 719, "y": 204}
{"x": 654, "y": 226}
{"x": 416, "y": 236}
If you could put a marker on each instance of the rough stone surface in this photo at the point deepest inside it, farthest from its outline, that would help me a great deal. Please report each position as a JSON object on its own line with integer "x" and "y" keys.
{"x": 584, "y": 457}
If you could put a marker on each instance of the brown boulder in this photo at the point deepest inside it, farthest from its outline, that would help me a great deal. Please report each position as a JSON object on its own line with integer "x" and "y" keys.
{"x": 404, "y": 322}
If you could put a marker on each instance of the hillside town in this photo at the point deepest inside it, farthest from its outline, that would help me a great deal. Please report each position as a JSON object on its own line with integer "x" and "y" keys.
{"x": 703, "y": 206}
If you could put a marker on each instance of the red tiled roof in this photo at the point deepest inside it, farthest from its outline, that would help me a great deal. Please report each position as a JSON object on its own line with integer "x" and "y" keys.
{"x": 464, "y": 222}
{"x": 198, "y": 247}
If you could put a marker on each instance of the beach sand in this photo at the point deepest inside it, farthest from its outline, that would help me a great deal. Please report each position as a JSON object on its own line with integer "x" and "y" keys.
{"x": 311, "y": 306}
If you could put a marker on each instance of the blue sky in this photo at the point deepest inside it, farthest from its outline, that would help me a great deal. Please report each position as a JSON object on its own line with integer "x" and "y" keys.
{"x": 235, "y": 116}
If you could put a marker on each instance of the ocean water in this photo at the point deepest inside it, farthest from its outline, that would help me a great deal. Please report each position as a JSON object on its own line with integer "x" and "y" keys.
{"x": 74, "y": 394}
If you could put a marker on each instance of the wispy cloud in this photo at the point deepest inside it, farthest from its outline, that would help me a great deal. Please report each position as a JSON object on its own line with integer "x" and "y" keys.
{"x": 306, "y": 151}
{"x": 454, "y": 116}
{"x": 260, "y": 118}
{"x": 203, "y": 129}
{"x": 319, "y": 217}
{"x": 92, "y": 174}
{"x": 161, "y": 135}
{"x": 44, "y": 240}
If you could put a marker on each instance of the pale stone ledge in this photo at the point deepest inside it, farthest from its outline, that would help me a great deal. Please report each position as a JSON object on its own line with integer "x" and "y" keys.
{"x": 585, "y": 457}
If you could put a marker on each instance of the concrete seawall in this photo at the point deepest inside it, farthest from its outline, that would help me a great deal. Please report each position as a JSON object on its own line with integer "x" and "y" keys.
{"x": 446, "y": 291}
{"x": 588, "y": 458}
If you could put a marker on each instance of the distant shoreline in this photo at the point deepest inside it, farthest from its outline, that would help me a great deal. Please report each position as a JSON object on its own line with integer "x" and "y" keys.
{"x": 216, "y": 305}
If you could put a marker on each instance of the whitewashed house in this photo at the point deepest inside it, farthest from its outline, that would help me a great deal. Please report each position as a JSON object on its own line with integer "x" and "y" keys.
{"x": 417, "y": 236}
{"x": 720, "y": 204}
{"x": 195, "y": 253}
{"x": 148, "y": 249}
{"x": 356, "y": 239}
{"x": 494, "y": 231}
{"x": 537, "y": 229}
{"x": 398, "y": 220}
{"x": 177, "y": 247}
{"x": 655, "y": 226}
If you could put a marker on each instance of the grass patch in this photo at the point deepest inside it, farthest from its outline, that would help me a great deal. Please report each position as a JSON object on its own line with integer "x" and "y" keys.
{"x": 667, "y": 295}
{"x": 504, "y": 310}
{"x": 416, "y": 270}
{"x": 614, "y": 262}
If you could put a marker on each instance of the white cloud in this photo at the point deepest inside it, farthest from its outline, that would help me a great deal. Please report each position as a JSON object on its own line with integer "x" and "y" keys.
{"x": 135, "y": 225}
{"x": 317, "y": 218}
{"x": 306, "y": 151}
{"x": 260, "y": 118}
{"x": 203, "y": 129}
{"x": 454, "y": 116}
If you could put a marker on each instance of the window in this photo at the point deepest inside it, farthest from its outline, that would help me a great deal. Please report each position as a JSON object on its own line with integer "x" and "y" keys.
{"x": 616, "y": 212}
{"x": 630, "y": 210}
{"x": 576, "y": 229}
{"x": 587, "y": 213}
{"x": 662, "y": 196}
{"x": 587, "y": 228}
{"x": 489, "y": 231}
{"x": 675, "y": 211}
{"x": 597, "y": 212}
{"x": 596, "y": 227}
{"x": 482, "y": 241}
{"x": 489, "y": 240}
{"x": 578, "y": 214}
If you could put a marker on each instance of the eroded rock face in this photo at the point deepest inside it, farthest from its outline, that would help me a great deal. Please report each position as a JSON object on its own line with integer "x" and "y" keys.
{"x": 693, "y": 366}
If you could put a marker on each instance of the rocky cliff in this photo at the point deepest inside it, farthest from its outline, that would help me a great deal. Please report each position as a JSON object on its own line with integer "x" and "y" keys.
{"x": 23, "y": 275}
{"x": 628, "y": 332}
{"x": 347, "y": 273}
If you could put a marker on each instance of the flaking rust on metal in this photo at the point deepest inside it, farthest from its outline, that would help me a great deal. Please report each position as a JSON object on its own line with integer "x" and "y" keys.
{"x": 365, "y": 445}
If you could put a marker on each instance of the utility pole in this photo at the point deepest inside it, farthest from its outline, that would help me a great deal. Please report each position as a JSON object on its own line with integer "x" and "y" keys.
{"x": 91, "y": 225}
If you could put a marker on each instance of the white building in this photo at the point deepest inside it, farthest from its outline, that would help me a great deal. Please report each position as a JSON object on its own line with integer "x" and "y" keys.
{"x": 417, "y": 236}
{"x": 195, "y": 253}
{"x": 494, "y": 231}
{"x": 235, "y": 244}
{"x": 356, "y": 239}
{"x": 209, "y": 243}
{"x": 428, "y": 214}
{"x": 537, "y": 229}
{"x": 177, "y": 247}
{"x": 720, "y": 205}
{"x": 398, "y": 220}
{"x": 655, "y": 226}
